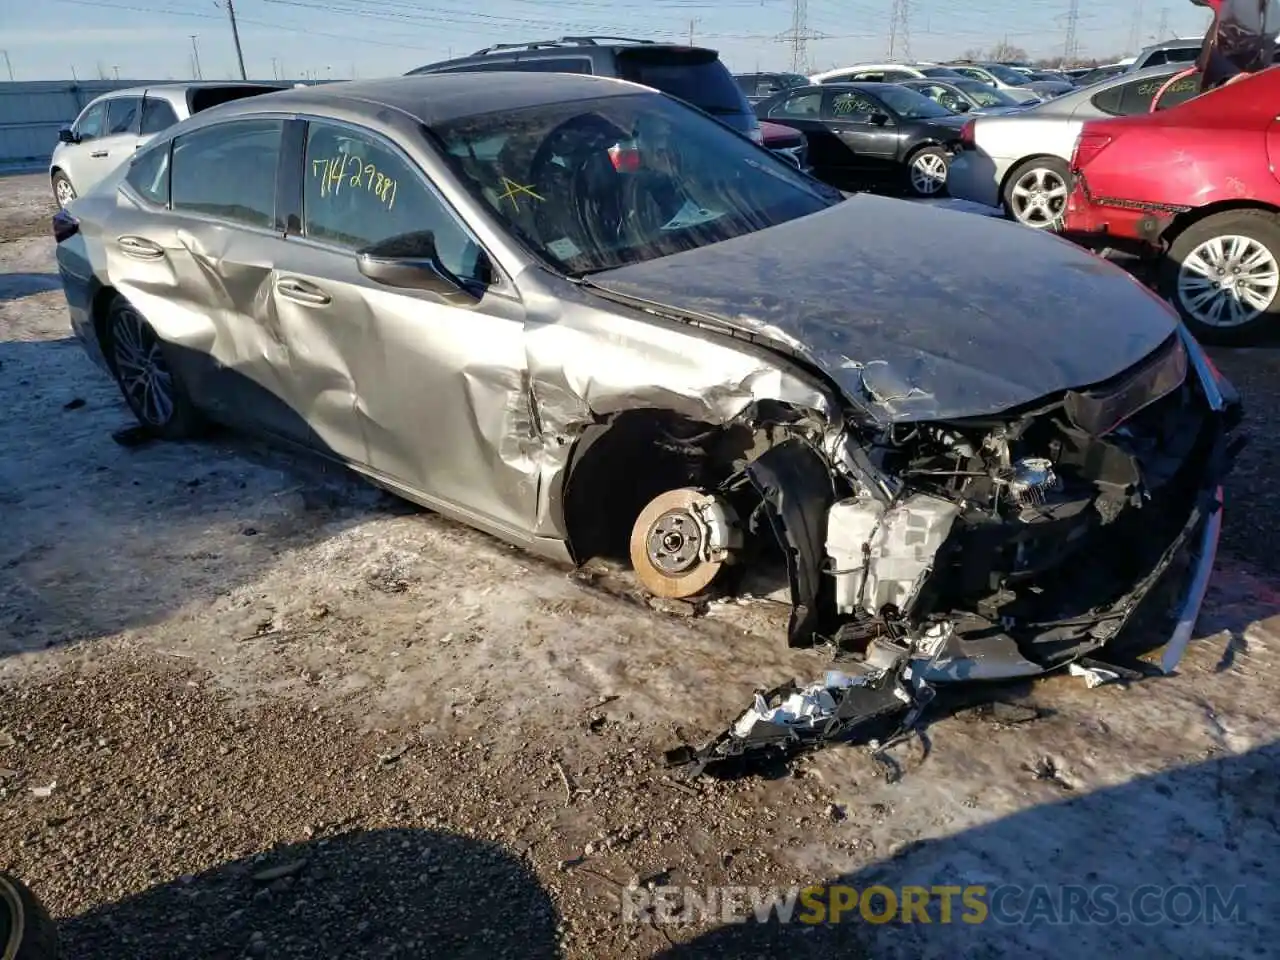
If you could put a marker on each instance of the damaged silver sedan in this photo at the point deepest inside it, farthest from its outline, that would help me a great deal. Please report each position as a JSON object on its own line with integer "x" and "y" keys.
{"x": 592, "y": 321}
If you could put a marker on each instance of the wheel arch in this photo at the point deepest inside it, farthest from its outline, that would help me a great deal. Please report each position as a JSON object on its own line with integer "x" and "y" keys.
{"x": 99, "y": 310}
{"x": 1183, "y": 221}
{"x": 1019, "y": 164}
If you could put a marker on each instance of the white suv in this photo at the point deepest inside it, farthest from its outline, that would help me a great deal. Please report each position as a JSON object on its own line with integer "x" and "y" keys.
{"x": 114, "y": 125}
{"x": 885, "y": 73}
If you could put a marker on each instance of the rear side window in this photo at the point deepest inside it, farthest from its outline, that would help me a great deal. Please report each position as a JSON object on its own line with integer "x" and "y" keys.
{"x": 555, "y": 65}
{"x": 122, "y": 115}
{"x": 157, "y": 115}
{"x": 697, "y": 77}
{"x": 149, "y": 175}
{"x": 229, "y": 171}
{"x": 1136, "y": 96}
{"x": 803, "y": 106}
{"x": 202, "y": 98}
{"x": 89, "y": 126}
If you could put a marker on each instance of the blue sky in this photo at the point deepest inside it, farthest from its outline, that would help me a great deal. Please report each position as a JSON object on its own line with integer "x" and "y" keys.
{"x": 151, "y": 39}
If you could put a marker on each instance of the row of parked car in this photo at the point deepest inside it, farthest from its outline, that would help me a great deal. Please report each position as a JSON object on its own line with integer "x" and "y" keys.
{"x": 966, "y": 128}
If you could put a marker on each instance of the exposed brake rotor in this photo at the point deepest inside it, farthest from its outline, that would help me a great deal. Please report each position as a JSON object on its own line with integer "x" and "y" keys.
{"x": 681, "y": 540}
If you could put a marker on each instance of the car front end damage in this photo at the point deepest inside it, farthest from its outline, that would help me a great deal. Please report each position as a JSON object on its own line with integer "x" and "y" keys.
{"x": 991, "y": 548}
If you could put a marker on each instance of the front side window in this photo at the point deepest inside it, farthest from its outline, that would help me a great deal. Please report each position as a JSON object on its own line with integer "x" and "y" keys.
{"x": 359, "y": 192}
{"x": 804, "y": 106}
{"x": 910, "y": 104}
{"x": 593, "y": 184}
{"x": 157, "y": 115}
{"x": 122, "y": 115}
{"x": 89, "y": 126}
{"x": 228, "y": 170}
{"x": 149, "y": 174}
{"x": 854, "y": 107}
{"x": 975, "y": 73}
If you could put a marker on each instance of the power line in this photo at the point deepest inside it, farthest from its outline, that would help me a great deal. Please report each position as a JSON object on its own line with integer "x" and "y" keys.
{"x": 1162, "y": 31}
{"x": 235, "y": 35}
{"x": 1135, "y": 31}
{"x": 799, "y": 35}
{"x": 900, "y": 29}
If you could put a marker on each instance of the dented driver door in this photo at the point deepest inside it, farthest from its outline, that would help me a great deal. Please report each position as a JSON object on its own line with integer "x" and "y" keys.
{"x": 440, "y": 380}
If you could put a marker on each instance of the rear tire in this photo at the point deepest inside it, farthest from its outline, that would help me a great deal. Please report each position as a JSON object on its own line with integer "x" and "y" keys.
{"x": 1035, "y": 195}
{"x": 151, "y": 385}
{"x": 927, "y": 172}
{"x": 26, "y": 930}
{"x": 1222, "y": 275}
{"x": 63, "y": 191}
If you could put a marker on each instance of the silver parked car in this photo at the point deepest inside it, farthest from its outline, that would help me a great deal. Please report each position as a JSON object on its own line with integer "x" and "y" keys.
{"x": 111, "y": 127}
{"x": 1019, "y": 161}
{"x": 589, "y": 319}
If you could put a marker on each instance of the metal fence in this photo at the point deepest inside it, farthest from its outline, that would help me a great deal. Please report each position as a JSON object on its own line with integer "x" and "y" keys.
{"x": 32, "y": 112}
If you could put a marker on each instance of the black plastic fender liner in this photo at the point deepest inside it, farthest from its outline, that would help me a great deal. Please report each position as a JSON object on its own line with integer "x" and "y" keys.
{"x": 795, "y": 483}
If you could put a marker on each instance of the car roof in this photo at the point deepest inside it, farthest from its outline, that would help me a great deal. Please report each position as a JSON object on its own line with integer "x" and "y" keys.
{"x": 581, "y": 46}
{"x": 1174, "y": 44}
{"x": 441, "y": 97}
{"x": 181, "y": 89}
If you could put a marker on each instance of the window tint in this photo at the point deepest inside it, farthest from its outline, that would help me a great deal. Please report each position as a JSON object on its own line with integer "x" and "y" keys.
{"x": 869, "y": 76}
{"x": 803, "y": 106}
{"x": 122, "y": 115}
{"x": 360, "y": 192}
{"x": 747, "y": 83}
{"x": 698, "y": 78}
{"x": 854, "y": 107}
{"x": 1157, "y": 58}
{"x": 157, "y": 115}
{"x": 90, "y": 125}
{"x": 228, "y": 170}
{"x": 149, "y": 174}
{"x": 895, "y": 76}
{"x": 1136, "y": 96}
{"x": 556, "y": 65}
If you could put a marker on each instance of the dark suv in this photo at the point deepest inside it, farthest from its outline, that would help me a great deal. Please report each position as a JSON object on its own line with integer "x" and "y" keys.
{"x": 692, "y": 74}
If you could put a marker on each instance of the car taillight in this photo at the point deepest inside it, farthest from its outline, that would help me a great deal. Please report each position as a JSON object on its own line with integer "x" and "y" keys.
{"x": 1088, "y": 146}
{"x": 65, "y": 226}
{"x": 966, "y": 134}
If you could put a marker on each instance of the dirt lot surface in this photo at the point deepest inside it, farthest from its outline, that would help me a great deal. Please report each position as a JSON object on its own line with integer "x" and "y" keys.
{"x": 251, "y": 707}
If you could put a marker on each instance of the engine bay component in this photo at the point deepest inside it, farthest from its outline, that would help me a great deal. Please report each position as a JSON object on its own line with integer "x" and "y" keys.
{"x": 681, "y": 540}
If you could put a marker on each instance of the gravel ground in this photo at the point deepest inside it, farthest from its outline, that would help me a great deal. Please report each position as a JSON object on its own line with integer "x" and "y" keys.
{"x": 207, "y": 648}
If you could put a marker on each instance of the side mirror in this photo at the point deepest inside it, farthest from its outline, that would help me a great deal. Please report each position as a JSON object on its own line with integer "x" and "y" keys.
{"x": 67, "y": 135}
{"x": 879, "y": 119}
{"x": 410, "y": 262}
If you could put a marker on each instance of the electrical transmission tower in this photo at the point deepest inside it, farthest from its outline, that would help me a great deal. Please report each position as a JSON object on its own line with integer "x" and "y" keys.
{"x": 1071, "y": 46}
{"x": 799, "y": 35}
{"x": 1163, "y": 30}
{"x": 1135, "y": 31}
{"x": 900, "y": 29}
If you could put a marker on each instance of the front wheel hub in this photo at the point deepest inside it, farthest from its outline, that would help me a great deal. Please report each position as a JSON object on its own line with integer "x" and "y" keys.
{"x": 681, "y": 540}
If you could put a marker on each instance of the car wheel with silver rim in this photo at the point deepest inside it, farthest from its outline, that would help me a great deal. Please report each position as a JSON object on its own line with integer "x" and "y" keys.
{"x": 150, "y": 385}
{"x": 63, "y": 191}
{"x": 1036, "y": 193}
{"x": 1223, "y": 275}
{"x": 927, "y": 172}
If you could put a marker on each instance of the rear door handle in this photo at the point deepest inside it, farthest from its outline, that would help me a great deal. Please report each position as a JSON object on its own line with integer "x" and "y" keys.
{"x": 99, "y": 153}
{"x": 300, "y": 291}
{"x": 140, "y": 248}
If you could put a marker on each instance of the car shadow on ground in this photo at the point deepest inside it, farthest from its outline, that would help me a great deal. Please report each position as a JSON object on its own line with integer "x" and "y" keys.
{"x": 375, "y": 894}
{"x": 15, "y": 286}
{"x": 1213, "y": 825}
{"x": 101, "y": 537}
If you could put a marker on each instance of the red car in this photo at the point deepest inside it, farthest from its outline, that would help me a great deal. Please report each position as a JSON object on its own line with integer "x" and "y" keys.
{"x": 1196, "y": 184}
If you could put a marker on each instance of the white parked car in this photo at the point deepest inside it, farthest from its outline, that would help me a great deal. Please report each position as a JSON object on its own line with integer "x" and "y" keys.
{"x": 1019, "y": 161}
{"x": 1021, "y": 88}
{"x": 111, "y": 127}
{"x": 885, "y": 73}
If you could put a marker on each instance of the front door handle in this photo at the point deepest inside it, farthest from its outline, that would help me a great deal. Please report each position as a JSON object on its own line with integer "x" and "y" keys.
{"x": 99, "y": 153}
{"x": 300, "y": 291}
{"x": 140, "y": 248}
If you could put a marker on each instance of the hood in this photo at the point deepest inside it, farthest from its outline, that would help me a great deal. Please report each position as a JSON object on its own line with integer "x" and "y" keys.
{"x": 914, "y": 311}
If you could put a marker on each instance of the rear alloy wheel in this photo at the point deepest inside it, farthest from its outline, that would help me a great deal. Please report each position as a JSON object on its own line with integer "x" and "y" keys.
{"x": 63, "y": 191}
{"x": 927, "y": 172}
{"x": 1223, "y": 275}
{"x": 1036, "y": 193}
{"x": 150, "y": 386}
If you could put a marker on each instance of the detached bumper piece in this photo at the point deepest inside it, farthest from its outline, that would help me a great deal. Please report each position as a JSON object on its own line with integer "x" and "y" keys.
{"x": 880, "y": 701}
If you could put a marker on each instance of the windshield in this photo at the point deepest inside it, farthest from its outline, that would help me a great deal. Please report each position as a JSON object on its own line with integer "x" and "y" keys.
{"x": 1006, "y": 75}
{"x": 983, "y": 95}
{"x": 594, "y": 184}
{"x": 697, "y": 77}
{"x": 910, "y": 104}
